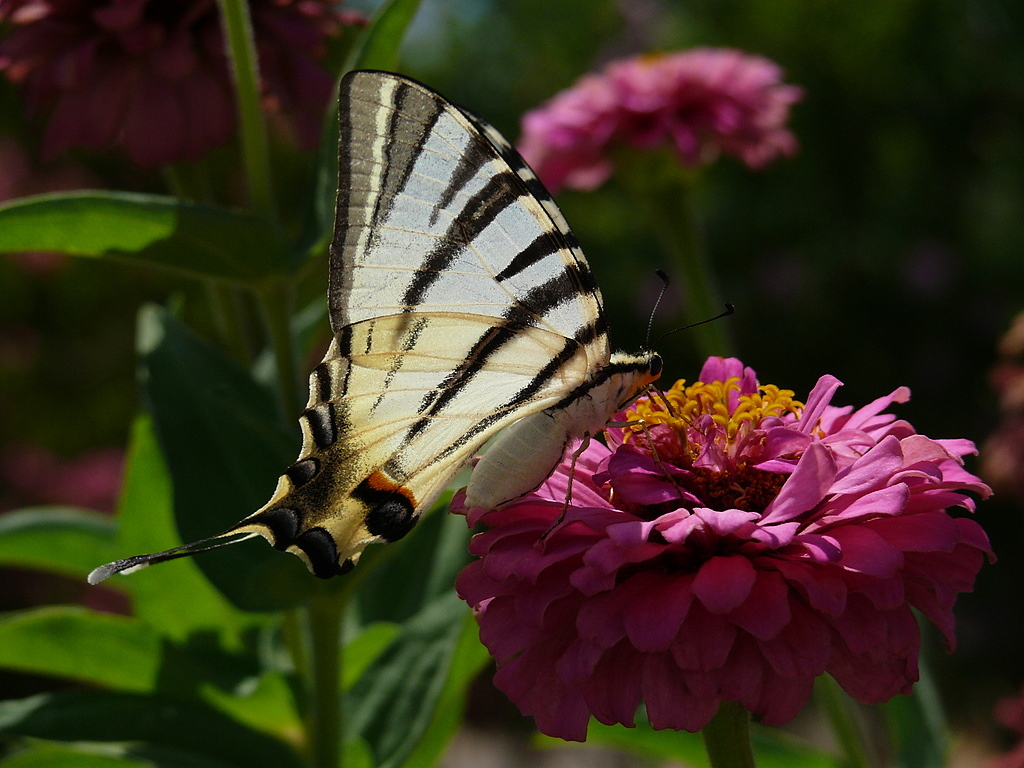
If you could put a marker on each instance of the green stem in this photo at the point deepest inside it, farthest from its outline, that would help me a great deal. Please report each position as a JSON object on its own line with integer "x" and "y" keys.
{"x": 727, "y": 737}
{"x": 276, "y": 299}
{"x": 665, "y": 193}
{"x": 191, "y": 181}
{"x": 324, "y": 617}
{"x": 245, "y": 69}
{"x": 675, "y": 220}
{"x": 848, "y": 724}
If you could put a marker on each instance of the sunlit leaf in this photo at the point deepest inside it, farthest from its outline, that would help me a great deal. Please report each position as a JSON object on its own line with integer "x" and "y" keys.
{"x": 52, "y": 754}
{"x": 365, "y": 649}
{"x": 98, "y": 716}
{"x": 266, "y": 704}
{"x": 379, "y": 47}
{"x": 61, "y": 540}
{"x": 147, "y": 230}
{"x": 81, "y": 645}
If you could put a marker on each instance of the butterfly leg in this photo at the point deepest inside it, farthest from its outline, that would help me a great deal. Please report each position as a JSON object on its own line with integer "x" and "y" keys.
{"x": 584, "y": 444}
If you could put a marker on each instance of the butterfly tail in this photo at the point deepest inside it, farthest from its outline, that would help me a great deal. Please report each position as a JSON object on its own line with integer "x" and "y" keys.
{"x": 137, "y": 562}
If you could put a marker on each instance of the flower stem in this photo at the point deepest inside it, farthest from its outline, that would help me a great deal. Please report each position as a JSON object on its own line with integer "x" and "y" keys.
{"x": 276, "y": 300}
{"x": 666, "y": 194}
{"x": 191, "y": 181}
{"x": 324, "y": 620}
{"x": 675, "y": 221}
{"x": 245, "y": 69}
{"x": 848, "y": 724}
{"x": 727, "y": 737}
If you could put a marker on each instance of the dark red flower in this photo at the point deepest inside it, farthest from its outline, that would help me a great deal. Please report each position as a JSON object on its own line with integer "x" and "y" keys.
{"x": 152, "y": 75}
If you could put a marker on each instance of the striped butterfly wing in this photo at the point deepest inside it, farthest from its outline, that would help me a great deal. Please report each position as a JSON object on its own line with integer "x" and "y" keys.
{"x": 460, "y": 302}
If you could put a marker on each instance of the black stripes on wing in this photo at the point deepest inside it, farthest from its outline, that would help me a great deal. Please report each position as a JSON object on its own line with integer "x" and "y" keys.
{"x": 542, "y": 247}
{"x": 406, "y": 136}
{"x": 560, "y": 288}
{"x": 322, "y": 423}
{"x": 479, "y": 212}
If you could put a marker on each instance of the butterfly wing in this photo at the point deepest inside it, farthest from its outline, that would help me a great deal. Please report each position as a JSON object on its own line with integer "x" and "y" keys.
{"x": 460, "y": 302}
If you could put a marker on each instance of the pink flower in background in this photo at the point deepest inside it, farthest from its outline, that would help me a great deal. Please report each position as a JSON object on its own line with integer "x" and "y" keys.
{"x": 1002, "y": 455}
{"x": 734, "y": 548}
{"x": 34, "y": 476}
{"x": 152, "y": 76}
{"x": 703, "y": 102}
{"x": 21, "y": 176}
{"x": 1009, "y": 712}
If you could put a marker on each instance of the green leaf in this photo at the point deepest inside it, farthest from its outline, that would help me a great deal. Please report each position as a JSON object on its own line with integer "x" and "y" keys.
{"x": 917, "y": 725}
{"x": 81, "y": 645}
{"x": 52, "y": 754}
{"x": 399, "y": 580}
{"x": 175, "y": 597}
{"x": 221, "y": 436}
{"x": 363, "y": 650}
{"x": 266, "y": 703}
{"x": 468, "y": 658}
{"x": 61, "y": 540}
{"x": 380, "y": 42}
{"x": 148, "y": 230}
{"x": 395, "y": 706}
{"x": 99, "y": 716}
{"x": 45, "y": 754}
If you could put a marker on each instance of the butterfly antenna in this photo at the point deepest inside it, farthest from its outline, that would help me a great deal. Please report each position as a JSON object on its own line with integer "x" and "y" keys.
{"x": 729, "y": 309}
{"x": 663, "y": 276}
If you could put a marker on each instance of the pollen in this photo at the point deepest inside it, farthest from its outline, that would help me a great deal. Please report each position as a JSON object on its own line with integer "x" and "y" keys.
{"x": 717, "y": 432}
{"x": 711, "y": 411}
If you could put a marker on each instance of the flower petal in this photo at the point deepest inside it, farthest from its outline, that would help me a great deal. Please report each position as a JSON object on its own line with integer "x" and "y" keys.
{"x": 723, "y": 583}
{"x": 807, "y": 486}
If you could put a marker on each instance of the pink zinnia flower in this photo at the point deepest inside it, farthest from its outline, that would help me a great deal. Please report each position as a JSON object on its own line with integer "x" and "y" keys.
{"x": 152, "y": 75}
{"x": 734, "y": 548}
{"x": 703, "y": 102}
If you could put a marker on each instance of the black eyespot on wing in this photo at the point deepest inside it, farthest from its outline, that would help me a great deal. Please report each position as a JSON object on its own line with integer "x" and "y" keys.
{"x": 283, "y": 523}
{"x": 322, "y": 552}
{"x": 301, "y": 472}
{"x": 391, "y": 519}
{"x": 392, "y": 514}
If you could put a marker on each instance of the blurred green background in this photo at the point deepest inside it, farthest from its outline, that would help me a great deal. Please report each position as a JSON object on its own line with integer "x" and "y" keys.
{"x": 887, "y": 252}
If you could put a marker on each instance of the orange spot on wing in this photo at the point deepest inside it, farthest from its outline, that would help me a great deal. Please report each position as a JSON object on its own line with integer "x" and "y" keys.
{"x": 378, "y": 481}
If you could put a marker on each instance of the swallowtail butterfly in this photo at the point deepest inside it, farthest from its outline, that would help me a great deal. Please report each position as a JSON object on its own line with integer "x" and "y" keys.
{"x": 461, "y": 304}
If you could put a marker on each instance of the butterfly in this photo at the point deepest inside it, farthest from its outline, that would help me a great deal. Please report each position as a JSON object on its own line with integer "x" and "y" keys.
{"x": 461, "y": 304}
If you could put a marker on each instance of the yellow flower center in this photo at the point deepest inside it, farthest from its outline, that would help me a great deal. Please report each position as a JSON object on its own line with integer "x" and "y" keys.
{"x": 733, "y": 417}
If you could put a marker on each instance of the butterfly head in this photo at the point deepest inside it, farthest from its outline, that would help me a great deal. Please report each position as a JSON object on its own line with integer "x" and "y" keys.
{"x": 633, "y": 374}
